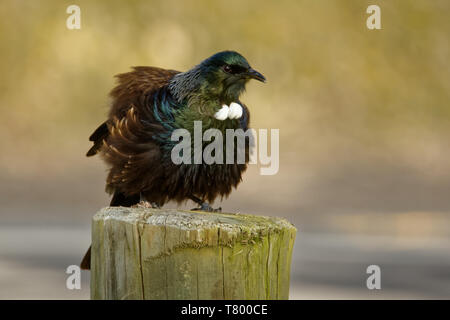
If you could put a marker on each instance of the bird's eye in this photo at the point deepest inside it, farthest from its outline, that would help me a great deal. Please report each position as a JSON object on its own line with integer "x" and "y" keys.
{"x": 233, "y": 69}
{"x": 227, "y": 68}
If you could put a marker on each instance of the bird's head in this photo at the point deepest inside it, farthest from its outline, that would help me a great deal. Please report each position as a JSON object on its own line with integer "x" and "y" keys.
{"x": 222, "y": 76}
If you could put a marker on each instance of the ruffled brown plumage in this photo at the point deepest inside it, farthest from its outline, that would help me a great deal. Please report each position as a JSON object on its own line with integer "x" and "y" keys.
{"x": 133, "y": 141}
{"x": 137, "y": 167}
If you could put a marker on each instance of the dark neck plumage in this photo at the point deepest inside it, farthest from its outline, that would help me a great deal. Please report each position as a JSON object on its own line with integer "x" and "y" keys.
{"x": 202, "y": 85}
{"x": 184, "y": 84}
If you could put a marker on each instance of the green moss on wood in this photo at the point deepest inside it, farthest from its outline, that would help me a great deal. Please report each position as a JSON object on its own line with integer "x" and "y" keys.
{"x": 141, "y": 253}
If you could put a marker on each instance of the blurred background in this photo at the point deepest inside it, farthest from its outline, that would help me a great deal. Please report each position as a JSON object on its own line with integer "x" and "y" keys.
{"x": 364, "y": 123}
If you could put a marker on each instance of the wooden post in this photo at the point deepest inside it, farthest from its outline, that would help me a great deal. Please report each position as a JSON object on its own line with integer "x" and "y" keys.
{"x": 140, "y": 253}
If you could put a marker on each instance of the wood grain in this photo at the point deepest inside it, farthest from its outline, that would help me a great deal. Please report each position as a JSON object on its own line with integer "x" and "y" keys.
{"x": 143, "y": 253}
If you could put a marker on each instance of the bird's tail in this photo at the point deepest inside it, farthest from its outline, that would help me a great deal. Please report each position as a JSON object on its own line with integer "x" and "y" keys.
{"x": 118, "y": 200}
{"x": 86, "y": 262}
{"x": 97, "y": 138}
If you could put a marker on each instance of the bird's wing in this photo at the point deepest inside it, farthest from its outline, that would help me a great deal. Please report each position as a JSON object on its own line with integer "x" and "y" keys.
{"x": 132, "y": 85}
{"x": 130, "y": 88}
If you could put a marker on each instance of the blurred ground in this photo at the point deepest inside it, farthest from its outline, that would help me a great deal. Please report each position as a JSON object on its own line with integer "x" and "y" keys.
{"x": 325, "y": 266}
{"x": 334, "y": 246}
{"x": 364, "y": 132}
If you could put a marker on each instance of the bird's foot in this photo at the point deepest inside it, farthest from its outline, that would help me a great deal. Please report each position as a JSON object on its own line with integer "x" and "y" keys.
{"x": 206, "y": 207}
{"x": 146, "y": 204}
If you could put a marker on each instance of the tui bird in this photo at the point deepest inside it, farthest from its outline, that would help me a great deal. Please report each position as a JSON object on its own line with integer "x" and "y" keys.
{"x": 148, "y": 104}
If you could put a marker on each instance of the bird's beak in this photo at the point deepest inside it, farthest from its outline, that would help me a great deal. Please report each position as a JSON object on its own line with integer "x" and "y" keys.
{"x": 253, "y": 74}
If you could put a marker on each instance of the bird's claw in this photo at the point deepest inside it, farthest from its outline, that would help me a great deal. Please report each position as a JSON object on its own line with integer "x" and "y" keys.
{"x": 206, "y": 207}
{"x": 146, "y": 204}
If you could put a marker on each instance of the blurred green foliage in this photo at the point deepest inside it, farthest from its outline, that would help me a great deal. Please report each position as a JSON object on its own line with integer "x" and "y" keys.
{"x": 334, "y": 87}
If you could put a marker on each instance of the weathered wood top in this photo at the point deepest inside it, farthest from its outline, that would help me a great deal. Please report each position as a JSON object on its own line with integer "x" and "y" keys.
{"x": 200, "y": 228}
{"x": 144, "y": 253}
